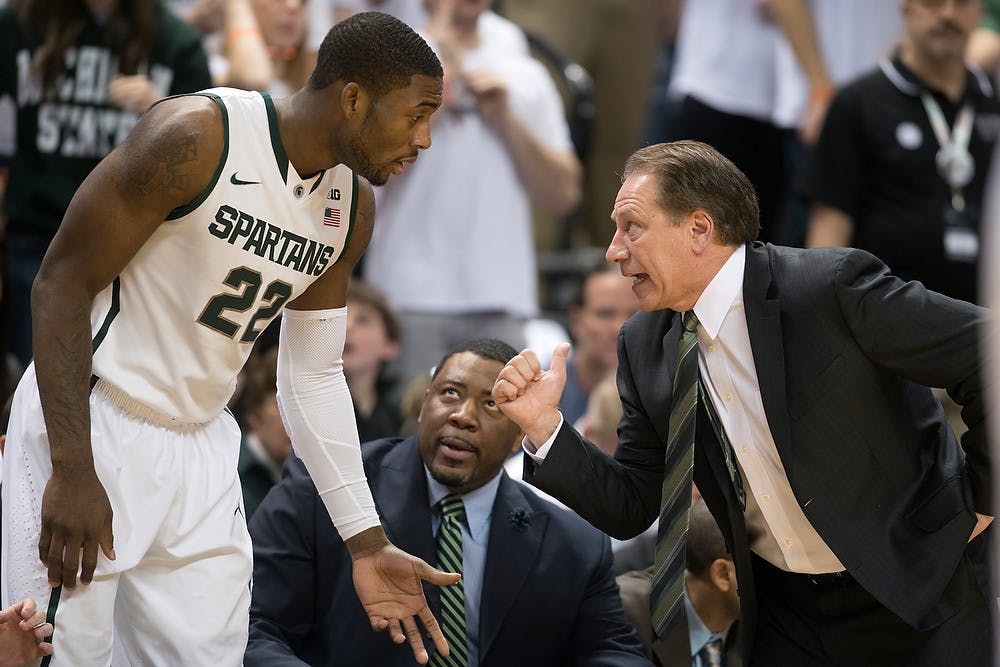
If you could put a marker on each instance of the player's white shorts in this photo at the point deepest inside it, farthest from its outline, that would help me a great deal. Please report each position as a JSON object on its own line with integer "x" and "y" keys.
{"x": 178, "y": 592}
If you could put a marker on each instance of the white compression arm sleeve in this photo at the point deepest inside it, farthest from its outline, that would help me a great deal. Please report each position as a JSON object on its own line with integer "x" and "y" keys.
{"x": 316, "y": 407}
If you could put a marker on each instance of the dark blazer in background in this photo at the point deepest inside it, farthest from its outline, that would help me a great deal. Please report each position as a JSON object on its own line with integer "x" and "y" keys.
{"x": 844, "y": 353}
{"x": 548, "y": 598}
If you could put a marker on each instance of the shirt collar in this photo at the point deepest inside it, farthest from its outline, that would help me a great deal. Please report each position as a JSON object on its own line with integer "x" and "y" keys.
{"x": 908, "y": 83}
{"x": 698, "y": 634}
{"x": 725, "y": 291}
{"x": 478, "y": 502}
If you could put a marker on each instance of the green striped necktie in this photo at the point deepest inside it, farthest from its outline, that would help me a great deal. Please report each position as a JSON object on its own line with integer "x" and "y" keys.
{"x": 666, "y": 600}
{"x": 449, "y": 559}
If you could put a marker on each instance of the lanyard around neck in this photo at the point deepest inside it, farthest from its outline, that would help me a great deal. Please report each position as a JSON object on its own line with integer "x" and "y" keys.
{"x": 953, "y": 159}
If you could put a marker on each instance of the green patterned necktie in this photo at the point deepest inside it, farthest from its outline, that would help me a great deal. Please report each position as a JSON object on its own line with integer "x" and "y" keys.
{"x": 666, "y": 600}
{"x": 449, "y": 559}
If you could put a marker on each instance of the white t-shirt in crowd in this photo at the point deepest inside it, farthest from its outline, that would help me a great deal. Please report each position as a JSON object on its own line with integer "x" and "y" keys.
{"x": 853, "y": 36}
{"x": 454, "y": 233}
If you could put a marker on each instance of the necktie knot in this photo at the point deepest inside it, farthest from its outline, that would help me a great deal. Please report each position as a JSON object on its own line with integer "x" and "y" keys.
{"x": 711, "y": 653}
{"x": 452, "y": 507}
{"x": 689, "y": 321}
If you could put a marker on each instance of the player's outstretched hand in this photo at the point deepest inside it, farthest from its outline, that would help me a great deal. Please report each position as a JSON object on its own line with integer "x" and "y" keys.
{"x": 388, "y": 582}
{"x": 76, "y": 519}
{"x": 22, "y": 631}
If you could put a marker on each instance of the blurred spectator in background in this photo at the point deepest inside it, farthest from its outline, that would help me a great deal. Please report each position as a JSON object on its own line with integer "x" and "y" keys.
{"x": 727, "y": 76}
{"x": 900, "y": 166}
{"x": 984, "y": 42}
{"x": 604, "y": 301}
{"x": 324, "y": 13}
{"x": 263, "y": 46}
{"x": 616, "y": 42}
{"x": 500, "y": 143}
{"x": 662, "y": 109}
{"x": 853, "y": 36}
{"x": 80, "y": 73}
{"x": 706, "y": 638}
{"x": 265, "y": 442}
{"x": 373, "y": 334}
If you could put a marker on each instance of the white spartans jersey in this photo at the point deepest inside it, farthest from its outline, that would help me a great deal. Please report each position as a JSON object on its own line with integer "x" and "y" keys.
{"x": 172, "y": 332}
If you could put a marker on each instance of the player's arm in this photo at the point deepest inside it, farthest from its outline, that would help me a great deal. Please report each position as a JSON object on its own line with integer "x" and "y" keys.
{"x": 165, "y": 162}
{"x": 318, "y": 412}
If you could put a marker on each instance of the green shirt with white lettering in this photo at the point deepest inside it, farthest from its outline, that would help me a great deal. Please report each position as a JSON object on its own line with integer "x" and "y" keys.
{"x": 62, "y": 135}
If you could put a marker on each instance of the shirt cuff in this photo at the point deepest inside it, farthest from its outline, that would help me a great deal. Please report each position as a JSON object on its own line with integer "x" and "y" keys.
{"x": 537, "y": 453}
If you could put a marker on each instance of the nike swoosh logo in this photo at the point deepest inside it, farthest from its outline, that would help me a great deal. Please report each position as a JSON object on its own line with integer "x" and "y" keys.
{"x": 236, "y": 181}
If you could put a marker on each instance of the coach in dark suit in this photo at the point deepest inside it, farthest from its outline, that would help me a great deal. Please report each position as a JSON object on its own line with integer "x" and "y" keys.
{"x": 548, "y": 596}
{"x": 848, "y": 505}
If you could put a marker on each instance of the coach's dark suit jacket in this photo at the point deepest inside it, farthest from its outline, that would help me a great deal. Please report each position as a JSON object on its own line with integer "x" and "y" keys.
{"x": 844, "y": 352}
{"x": 549, "y": 597}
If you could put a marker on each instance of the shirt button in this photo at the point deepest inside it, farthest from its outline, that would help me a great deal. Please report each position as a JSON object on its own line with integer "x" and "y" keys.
{"x": 766, "y": 496}
{"x": 729, "y": 397}
{"x": 711, "y": 347}
{"x": 788, "y": 543}
{"x": 744, "y": 449}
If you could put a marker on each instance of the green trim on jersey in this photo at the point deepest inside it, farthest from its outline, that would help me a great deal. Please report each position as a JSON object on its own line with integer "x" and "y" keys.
{"x": 116, "y": 292}
{"x": 181, "y": 211}
{"x": 279, "y": 148}
{"x": 319, "y": 179}
{"x": 354, "y": 213}
{"x": 50, "y": 617}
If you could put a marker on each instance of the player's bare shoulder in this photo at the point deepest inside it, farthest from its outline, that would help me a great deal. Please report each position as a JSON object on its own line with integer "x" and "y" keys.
{"x": 173, "y": 151}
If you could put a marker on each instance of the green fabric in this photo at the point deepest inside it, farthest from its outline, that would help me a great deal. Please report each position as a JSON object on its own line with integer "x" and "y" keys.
{"x": 60, "y": 140}
{"x": 991, "y": 15}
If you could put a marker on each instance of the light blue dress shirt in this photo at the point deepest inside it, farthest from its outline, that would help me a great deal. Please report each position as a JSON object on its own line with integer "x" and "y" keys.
{"x": 475, "y": 540}
{"x": 699, "y": 635}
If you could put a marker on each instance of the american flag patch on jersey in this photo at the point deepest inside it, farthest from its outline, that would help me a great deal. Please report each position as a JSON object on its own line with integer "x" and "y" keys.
{"x": 332, "y": 217}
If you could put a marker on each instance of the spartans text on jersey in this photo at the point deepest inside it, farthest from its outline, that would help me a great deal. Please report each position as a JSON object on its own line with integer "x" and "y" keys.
{"x": 270, "y": 241}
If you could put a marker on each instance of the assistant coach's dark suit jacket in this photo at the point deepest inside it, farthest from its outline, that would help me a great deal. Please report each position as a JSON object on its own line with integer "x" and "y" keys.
{"x": 548, "y": 598}
{"x": 844, "y": 352}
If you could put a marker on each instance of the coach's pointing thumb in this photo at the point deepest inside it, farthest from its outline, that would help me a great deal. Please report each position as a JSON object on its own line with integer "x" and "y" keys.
{"x": 559, "y": 355}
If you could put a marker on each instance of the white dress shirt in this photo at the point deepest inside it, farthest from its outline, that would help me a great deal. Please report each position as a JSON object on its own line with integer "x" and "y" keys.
{"x": 778, "y": 530}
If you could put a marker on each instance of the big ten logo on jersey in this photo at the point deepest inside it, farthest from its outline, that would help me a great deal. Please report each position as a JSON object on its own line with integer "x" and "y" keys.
{"x": 267, "y": 240}
{"x": 333, "y": 194}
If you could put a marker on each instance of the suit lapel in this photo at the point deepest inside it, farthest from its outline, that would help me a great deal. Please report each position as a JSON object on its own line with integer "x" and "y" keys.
{"x": 675, "y": 648}
{"x": 764, "y": 326}
{"x": 401, "y": 490}
{"x": 510, "y": 558}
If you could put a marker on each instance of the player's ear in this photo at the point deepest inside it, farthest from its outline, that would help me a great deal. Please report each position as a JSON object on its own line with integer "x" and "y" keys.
{"x": 354, "y": 100}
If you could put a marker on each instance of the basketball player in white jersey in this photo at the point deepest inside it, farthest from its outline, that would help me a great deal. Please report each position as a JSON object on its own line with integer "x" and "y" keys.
{"x": 217, "y": 212}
